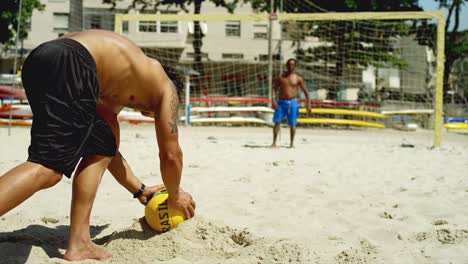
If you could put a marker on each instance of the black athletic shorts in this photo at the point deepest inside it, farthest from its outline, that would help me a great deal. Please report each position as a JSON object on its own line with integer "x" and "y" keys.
{"x": 61, "y": 84}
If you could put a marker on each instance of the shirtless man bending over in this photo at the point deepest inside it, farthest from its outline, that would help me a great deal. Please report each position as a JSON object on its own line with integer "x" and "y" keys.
{"x": 287, "y": 104}
{"x": 76, "y": 85}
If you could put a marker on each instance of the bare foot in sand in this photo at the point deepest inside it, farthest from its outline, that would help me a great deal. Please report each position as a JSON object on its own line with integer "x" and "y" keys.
{"x": 273, "y": 145}
{"x": 87, "y": 251}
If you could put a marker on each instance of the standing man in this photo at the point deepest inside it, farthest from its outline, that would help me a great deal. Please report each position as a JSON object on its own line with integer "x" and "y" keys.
{"x": 76, "y": 86}
{"x": 288, "y": 104}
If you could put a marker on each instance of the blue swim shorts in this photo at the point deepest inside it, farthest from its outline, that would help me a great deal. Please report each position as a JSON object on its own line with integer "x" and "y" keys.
{"x": 289, "y": 108}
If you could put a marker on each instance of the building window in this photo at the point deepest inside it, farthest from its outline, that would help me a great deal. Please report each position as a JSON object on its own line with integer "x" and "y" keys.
{"x": 147, "y": 26}
{"x": 169, "y": 26}
{"x": 125, "y": 26}
{"x": 102, "y": 18}
{"x": 233, "y": 56}
{"x": 263, "y": 57}
{"x": 260, "y": 31}
{"x": 60, "y": 21}
{"x": 95, "y": 22}
{"x": 233, "y": 28}
{"x": 260, "y": 35}
{"x": 191, "y": 55}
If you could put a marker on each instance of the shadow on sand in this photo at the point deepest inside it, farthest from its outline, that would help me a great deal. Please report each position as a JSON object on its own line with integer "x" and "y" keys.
{"x": 262, "y": 146}
{"x": 144, "y": 234}
{"x": 15, "y": 246}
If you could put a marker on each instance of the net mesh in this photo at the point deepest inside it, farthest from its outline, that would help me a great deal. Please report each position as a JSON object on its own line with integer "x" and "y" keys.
{"x": 360, "y": 60}
{"x": 367, "y": 64}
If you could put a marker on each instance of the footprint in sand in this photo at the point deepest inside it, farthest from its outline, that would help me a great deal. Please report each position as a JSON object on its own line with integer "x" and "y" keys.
{"x": 279, "y": 163}
{"x": 242, "y": 180}
{"x": 365, "y": 253}
{"x": 47, "y": 220}
{"x": 212, "y": 139}
{"x": 387, "y": 215}
{"x": 440, "y": 222}
{"x": 444, "y": 236}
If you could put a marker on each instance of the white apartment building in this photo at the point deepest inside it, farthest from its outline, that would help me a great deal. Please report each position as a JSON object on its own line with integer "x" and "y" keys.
{"x": 235, "y": 53}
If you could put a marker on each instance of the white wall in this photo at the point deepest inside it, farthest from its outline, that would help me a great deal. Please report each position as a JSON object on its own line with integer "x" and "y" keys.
{"x": 42, "y": 25}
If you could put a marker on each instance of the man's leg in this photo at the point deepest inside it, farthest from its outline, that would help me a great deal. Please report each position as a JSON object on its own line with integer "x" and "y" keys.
{"x": 292, "y": 134}
{"x": 22, "y": 182}
{"x": 85, "y": 185}
{"x": 276, "y": 129}
{"x": 292, "y": 120}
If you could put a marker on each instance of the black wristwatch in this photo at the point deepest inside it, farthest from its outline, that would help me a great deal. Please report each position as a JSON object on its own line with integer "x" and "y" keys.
{"x": 139, "y": 192}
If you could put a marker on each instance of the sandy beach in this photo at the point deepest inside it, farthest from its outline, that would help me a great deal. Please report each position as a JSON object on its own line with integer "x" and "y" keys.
{"x": 341, "y": 196}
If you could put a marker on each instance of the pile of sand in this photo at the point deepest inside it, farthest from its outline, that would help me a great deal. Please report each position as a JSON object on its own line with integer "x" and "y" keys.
{"x": 200, "y": 241}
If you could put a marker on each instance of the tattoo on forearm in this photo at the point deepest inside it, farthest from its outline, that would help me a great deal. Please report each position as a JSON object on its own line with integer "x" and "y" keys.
{"x": 174, "y": 111}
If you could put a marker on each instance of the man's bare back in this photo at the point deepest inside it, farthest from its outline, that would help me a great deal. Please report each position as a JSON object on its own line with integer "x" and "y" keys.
{"x": 127, "y": 77}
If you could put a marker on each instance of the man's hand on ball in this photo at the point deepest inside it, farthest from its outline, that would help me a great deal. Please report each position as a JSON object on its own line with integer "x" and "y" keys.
{"x": 185, "y": 203}
{"x": 148, "y": 193}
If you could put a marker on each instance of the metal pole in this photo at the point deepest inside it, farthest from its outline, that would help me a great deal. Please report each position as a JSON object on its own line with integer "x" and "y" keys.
{"x": 270, "y": 55}
{"x": 187, "y": 100}
{"x": 438, "y": 103}
{"x": 15, "y": 64}
{"x": 280, "y": 42}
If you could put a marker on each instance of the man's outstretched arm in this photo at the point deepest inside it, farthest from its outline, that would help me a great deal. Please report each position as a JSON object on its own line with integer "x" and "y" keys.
{"x": 120, "y": 169}
{"x": 170, "y": 153}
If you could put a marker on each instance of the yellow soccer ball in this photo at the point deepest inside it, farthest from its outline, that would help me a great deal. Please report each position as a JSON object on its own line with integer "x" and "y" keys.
{"x": 159, "y": 216}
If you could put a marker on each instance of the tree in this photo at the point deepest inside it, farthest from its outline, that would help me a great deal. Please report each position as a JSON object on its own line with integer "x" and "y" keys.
{"x": 9, "y": 19}
{"x": 367, "y": 43}
{"x": 197, "y": 35}
{"x": 456, "y": 43}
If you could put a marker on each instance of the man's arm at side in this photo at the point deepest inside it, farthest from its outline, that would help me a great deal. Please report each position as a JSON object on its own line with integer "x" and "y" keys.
{"x": 275, "y": 92}
{"x": 306, "y": 93}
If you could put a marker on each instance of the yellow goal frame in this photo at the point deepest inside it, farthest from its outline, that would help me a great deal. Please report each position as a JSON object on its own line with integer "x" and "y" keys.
{"x": 437, "y": 15}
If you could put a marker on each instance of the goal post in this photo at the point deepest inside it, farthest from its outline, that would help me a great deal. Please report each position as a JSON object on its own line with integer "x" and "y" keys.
{"x": 330, "y": 61}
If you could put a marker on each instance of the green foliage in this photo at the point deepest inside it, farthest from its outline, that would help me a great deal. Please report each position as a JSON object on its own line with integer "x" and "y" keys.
{"x": 456, "y": 43}
{"x": 9, "y": 19}
{"x": 308, "y": 6}
{"x": 357, "y": 43}
{"x": 351, "y": 43}
{"x": 182, "y": 4}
